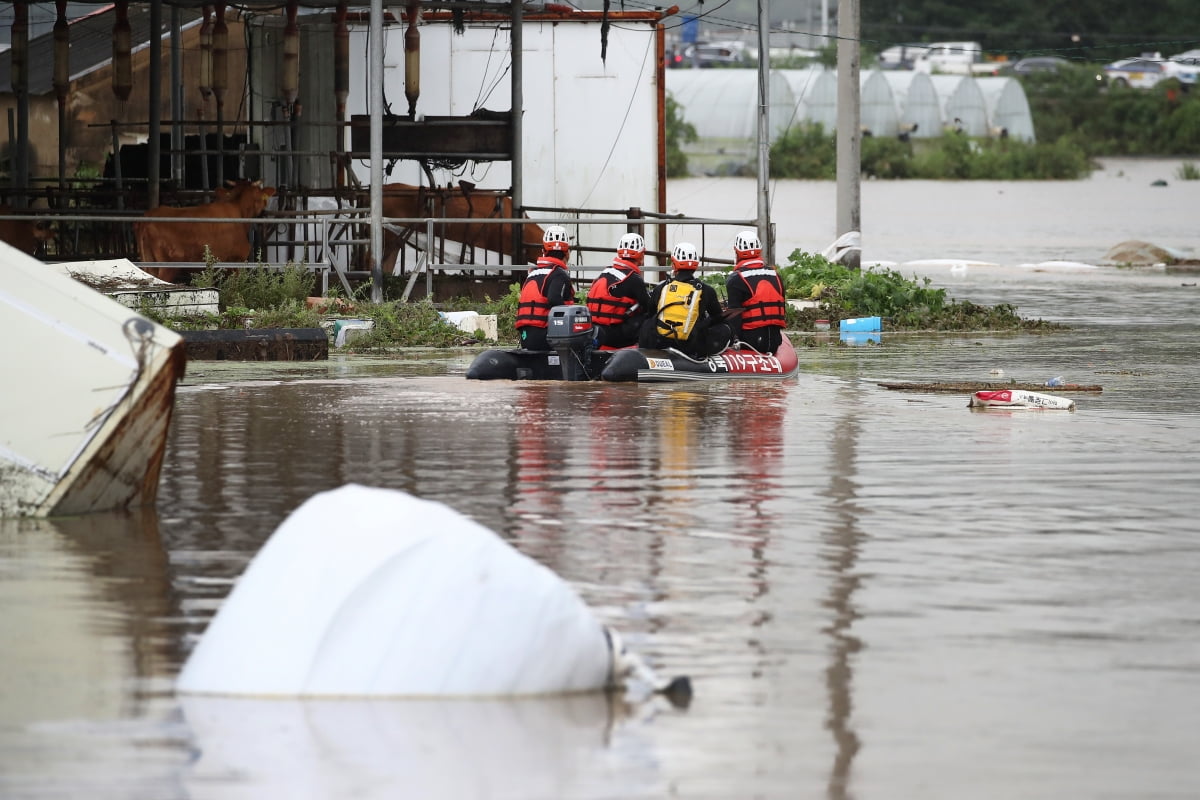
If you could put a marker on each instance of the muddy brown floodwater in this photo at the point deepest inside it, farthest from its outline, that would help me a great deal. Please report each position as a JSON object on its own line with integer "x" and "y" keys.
{"x": 876, "y": 593}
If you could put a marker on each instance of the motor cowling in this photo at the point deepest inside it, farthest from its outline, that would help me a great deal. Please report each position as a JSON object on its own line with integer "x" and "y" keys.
{"x": 570, "y": 333}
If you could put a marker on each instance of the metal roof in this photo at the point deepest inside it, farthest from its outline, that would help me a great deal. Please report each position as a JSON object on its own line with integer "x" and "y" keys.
{"x": 91, "y": 46}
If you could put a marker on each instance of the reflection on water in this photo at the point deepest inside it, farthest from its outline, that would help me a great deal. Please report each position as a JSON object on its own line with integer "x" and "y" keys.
{"x": 88, "y": 645}
{"x": 548, "y": 747}
{"x": 876, "y": 593}
{"x": 843, "y": 544}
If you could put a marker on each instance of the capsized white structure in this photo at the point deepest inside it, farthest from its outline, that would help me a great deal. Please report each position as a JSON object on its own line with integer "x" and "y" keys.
{"x": 365, "y": 592}
{"x": 1007, "y": 108}
{"x": 89, "y": 388}
{"x": 133, "y": 287}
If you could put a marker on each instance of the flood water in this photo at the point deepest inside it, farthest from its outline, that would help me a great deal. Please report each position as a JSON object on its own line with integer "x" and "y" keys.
{"x": 876, "y": 593}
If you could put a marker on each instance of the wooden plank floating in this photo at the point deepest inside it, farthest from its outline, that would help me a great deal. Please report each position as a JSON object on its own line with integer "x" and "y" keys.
{"x": 257, "y": 344}
{"x": 970, "y": 387}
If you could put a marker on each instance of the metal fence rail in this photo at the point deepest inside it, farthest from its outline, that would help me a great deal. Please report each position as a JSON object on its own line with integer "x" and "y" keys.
{"x": 331, "y": 241}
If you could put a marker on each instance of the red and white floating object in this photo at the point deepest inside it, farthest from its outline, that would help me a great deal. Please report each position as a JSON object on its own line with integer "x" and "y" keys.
{"x": 1021, "y": 399}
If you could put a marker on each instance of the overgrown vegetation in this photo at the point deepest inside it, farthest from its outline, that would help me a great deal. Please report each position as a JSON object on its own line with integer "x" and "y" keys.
{"x": 907, "y": 304}
{"x": 808, "y": 152}
{"x": 271, "y": 298}
{"x": 260, "y": 287}
{"x": 1073, "y": 107}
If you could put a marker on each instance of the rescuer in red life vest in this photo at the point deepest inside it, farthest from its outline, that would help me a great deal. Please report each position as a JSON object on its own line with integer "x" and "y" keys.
{"x": 757, "y": 307}
{"x": 618, "y": 300}
{"x": 547, "y": 285}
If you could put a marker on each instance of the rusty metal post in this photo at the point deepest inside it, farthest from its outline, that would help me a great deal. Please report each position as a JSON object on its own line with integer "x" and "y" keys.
{"x": 220, "y": 82}
{"x": 62, "y": 86}
{"x": 20, "y": 86}
{"x": 122, "y": 78}
{"x": 341, "y": 83}
{"x": 412, "y": 58}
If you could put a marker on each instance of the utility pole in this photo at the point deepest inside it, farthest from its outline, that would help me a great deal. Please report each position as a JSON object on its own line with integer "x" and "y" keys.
{"x": 765, "y": 234}
{"x": 849, "y": 128}
{"x": 375, "y": 46}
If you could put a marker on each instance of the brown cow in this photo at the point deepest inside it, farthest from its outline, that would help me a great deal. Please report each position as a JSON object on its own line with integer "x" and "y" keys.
{"x": 185, "y": 241}
{"x": 404, "y": 200}
{"x": 27, "y": 235}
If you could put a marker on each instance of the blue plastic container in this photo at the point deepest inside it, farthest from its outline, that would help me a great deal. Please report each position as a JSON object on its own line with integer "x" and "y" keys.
{"x": 861, "y": 325}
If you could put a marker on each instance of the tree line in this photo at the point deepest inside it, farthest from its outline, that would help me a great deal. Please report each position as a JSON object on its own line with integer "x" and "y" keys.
{"x": 1095, "y": 30}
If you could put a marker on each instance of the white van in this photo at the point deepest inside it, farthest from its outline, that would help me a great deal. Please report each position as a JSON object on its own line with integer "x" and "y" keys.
{"x": 949, "y": 57}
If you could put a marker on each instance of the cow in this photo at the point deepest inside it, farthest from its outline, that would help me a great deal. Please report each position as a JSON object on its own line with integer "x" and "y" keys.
{"x": 404, "y": 200}
{"x": 186, "y": 241}
{"x": 27, "y": 235}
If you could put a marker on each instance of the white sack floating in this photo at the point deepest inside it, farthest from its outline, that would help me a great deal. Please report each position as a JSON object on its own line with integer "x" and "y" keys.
{"x": 1020, "y": 399}
{"x": 365, "y": 592}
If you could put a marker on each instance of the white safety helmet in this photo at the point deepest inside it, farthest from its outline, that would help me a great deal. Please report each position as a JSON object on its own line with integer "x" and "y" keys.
{"x": 685, "y": 257}
{"x": 747, "y": 243}
{"x": 555, "y": 238}
{"x": 632, "y": 246}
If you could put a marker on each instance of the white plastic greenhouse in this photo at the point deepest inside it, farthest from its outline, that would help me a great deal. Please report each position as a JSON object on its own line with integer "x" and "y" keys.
{"x": 963, "y": 107}
{"x": 878, "y": 110}
{"x": 814, "y": 92}
{"x": 722, "y": 105}
{"x": 1008, "y": 108}
{"x": 920, "y": 112}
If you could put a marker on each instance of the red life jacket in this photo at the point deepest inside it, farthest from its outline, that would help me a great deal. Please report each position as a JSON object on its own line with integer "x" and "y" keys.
{"x": 604, "y": 307}
{"x": 766, "y": 306}
{"x": 533, "y": 307}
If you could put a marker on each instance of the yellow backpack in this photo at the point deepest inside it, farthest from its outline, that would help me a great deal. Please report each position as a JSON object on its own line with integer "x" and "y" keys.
{"x": 678, "y": 310}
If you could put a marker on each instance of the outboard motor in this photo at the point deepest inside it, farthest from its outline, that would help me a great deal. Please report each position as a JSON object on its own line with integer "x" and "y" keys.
{"x": 569, "y": 332}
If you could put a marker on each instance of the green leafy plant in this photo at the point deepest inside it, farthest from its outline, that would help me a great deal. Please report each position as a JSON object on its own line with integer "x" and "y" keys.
{"x": 843, "y": 293}
{"x": 406, "y": 325}
{"x": 262, "y": 287}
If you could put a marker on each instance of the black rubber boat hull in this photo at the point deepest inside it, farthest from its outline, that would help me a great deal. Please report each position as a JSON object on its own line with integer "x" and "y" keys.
{"x": 537, "y": 365}
{"x": 660, "y": 366}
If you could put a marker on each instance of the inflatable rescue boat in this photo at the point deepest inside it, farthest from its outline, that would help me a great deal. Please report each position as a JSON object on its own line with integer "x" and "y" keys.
{"x": 574, "y": 357}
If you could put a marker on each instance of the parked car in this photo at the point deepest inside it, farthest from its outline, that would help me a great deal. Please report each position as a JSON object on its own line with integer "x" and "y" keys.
{"x": 1185, "y": 67}
{"x": 1028, "y": 66}
{"x": 712, "y": 54}
{"x": 1138, "y": 73}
